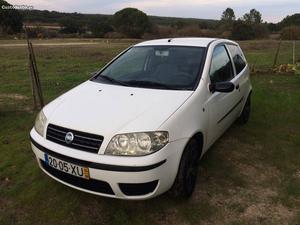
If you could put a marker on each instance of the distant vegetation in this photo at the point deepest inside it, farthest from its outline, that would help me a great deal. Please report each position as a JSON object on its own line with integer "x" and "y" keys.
{"x": 10, "y": 20}
{"x": 133, "y": 23}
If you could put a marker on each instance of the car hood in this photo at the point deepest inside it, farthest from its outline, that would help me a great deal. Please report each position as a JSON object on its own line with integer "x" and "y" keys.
{"x": 106, "y": 109}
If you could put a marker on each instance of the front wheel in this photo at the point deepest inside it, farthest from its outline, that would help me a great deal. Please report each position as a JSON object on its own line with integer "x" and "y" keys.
{"x": 245, "y": 115}
{"x": 185, "y": 181}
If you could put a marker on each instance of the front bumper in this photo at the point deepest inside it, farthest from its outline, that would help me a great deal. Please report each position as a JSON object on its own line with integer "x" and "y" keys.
{"x": 121, "y": 177}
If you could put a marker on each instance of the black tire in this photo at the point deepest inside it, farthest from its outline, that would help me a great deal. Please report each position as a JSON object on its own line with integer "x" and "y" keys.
{"x": 185, "y": 181}
{"x": 245, "y": 115}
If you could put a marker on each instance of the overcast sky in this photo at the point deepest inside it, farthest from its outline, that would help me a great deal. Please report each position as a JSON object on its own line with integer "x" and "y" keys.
{"x": 272, "y": 10}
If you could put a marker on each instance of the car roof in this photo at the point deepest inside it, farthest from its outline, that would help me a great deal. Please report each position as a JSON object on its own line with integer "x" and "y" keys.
{"x": 195, "y": 42}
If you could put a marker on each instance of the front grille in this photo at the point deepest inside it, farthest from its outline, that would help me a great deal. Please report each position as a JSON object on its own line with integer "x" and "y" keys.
{"x": 82, "y": 141}
{"x": 91, "y": 184}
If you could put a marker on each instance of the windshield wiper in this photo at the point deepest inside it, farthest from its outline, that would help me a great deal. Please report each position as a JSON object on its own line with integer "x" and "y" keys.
{"x": 146, "y": 83}
{"x": 112, "y": 80}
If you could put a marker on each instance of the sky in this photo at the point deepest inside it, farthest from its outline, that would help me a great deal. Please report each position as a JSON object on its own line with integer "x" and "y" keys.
{"x": 272, "y": 10}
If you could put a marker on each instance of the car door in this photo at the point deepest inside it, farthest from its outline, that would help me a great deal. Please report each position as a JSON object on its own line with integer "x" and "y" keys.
{"x": 222, "y": 106}
{"x": 241, "y": 70}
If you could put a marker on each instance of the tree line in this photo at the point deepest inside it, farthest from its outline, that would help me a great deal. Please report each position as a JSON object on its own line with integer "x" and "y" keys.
{"x": 249, "y": 26}
{"x": 133, "y": 23}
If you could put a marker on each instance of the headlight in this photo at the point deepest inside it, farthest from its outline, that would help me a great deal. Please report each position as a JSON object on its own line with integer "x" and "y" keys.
{"x": 135, "y": 144}
{"x": 40, "y": 123}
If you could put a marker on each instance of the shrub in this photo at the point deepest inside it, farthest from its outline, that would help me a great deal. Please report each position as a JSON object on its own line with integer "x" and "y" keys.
{"x": 226, "y": 34}
{"x": 114, "y": 35}
{"x": 190, "y": 31}
{"x": 242, "y": 31}
{"x": 261, "y": 30}
{"x": 41, "y": 32}
{"x": 70, "y": 26}
{"x": 161, "y": 31}
{"x": 100, "y": 28}
{"x": 290, "y": 33}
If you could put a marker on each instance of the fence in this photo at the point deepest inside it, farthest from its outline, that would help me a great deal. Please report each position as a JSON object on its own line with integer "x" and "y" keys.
{"x": 261, "y": 54}
{"x": 63, "y": 64}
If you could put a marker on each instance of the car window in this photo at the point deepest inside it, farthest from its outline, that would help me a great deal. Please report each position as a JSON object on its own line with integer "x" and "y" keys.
{"x": 132, "y": 63}
{"x": 238, "y": 58}
{"x": 172, "y": 67}
{"x": 221, "y": 66}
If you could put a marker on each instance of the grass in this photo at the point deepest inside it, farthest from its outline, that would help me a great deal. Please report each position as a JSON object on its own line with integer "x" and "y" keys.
{"x": 250, "y": 176}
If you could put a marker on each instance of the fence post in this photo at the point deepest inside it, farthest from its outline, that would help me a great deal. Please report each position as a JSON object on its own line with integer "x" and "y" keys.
{"x": 294, "y": 44}
{"x": 276, "y": 55}
{"x": 37, "y": 94}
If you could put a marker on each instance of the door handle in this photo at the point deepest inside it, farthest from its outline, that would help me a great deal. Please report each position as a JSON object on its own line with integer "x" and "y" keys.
{"x": 237, "y": 86}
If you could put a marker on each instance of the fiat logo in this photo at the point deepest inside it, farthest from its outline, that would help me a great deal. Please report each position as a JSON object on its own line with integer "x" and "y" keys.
{"x": 69, "y": 137}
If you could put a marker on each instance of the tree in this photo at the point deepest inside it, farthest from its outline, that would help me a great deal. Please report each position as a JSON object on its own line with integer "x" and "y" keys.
{"x": 242, "y": 30}
{"x": 227, "y": 20}
{"x": 228, "y": 15}
{"x": 254, "y": 20}
{"x": 10, "y": 19}
{"x": 290, "y": 20}
{"x": 131, "y": 22}
{"x": 253, "y": 17}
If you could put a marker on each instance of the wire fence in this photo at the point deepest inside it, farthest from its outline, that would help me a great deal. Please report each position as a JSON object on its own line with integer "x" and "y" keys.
{"x": 261, "y": 55}
{"x": 63, "y": 64}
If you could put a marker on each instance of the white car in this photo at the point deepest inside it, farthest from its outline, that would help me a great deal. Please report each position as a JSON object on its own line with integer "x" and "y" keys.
{"x": 139, "y": 126}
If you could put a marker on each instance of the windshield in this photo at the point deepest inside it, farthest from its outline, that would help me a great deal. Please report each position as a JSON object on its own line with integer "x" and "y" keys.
{"x": 163, "y": 67}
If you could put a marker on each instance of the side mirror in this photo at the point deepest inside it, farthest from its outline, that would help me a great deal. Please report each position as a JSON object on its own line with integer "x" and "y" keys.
{"x": 225, "y": 87}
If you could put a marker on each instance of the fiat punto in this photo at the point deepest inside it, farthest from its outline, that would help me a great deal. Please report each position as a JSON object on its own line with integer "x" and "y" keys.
{"x": 139, "y": 126}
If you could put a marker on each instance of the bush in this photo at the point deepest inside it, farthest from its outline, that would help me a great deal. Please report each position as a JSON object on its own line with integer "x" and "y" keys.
{"x": 242, "y": 31}
{"x": 41, "y": 32}
{"x": 114, "y": 35}
{"x": 164, "y": 31}
{"x": 290, "y": 33}
{"x": 190, "y": 31}
{"x": 100, "y": 28}
{"x": 226, "y": 34}
{"x": 261, "y": 31}
{"x": 70, "y": 26}
{"x": 210, "y": 33}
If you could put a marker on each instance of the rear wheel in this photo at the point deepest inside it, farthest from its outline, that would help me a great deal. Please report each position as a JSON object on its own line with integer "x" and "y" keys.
{"x": 245, "y": 115}
{"x": 185, "y": 181}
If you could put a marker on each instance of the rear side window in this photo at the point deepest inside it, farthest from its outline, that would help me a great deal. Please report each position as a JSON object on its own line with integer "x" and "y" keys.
{"x": 221, "y": 67}
{"x": 237, "y": 56}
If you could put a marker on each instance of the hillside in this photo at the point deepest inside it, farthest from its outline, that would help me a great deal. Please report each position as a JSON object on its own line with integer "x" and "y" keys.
{"x": 49, "y": 17}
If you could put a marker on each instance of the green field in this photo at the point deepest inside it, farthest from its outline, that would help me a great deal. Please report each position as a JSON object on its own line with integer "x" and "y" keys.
{"x": 250, "y": 176}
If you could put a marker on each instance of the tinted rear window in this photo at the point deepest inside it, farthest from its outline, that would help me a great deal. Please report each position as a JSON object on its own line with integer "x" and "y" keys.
{"x": 238, "y": 58}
